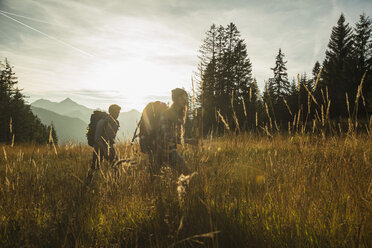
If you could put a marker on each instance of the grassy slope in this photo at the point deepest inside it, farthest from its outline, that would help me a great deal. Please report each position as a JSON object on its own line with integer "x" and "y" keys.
{"x": 254, "y": 191}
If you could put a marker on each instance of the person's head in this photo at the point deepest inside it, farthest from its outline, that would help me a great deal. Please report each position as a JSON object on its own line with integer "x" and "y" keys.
{"x": 179, "y": 98}
{"x": 114, "y": 110}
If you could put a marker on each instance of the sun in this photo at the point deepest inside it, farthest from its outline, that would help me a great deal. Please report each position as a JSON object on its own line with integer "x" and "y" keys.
{"x": 137, "y": 81}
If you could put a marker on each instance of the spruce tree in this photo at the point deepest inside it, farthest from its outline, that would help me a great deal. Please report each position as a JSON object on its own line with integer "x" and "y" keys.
{"x": 7, "y": 82}
{"x": 362, "y": 43}
{"x": 17, "y": 122}
{"x": 280, "y": 83}
{"x": 231, "y": 59}
{"x": 337, "y": 67}
{"x": 226, "y": 76}
{"x": 315, "y": 72}
{"x": 245, "y": 89}
{"x": 220, "y": 67}
{"x": 363, "y": 56}
{"x": 208, "y": 75}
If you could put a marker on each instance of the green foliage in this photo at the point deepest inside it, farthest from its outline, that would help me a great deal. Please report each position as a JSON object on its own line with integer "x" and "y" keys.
{"x": 337, "y": 66}
{"x": 17, "y": 123}
{"x": 339, "y": 88}
{"x": 363, "y": 56}
{"x": 280, "y": 83}
{"x": 225, "y": 78}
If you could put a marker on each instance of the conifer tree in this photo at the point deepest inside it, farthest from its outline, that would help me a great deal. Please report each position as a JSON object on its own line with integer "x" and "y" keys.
{"x": 220, "y": 66}
{"x": 362, "y": 43}
{"x": 280, "y": 83}
{"x": 337, "y": 67}
{"x": 269, "y": 99}
{"x": 17, "y": 122}
{"x": 226, "y": 76}
{"x": 363, "y": 56}
{"x": 207, "y": 72}
{"x": 245, "y": 90}
{"x": 315, "y": 72}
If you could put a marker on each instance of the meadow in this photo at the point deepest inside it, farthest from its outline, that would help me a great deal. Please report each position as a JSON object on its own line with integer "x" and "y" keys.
{"x": 249, "y": 190}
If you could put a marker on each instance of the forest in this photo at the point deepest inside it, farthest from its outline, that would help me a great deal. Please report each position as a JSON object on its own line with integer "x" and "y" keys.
{"x": 340, "y": 87}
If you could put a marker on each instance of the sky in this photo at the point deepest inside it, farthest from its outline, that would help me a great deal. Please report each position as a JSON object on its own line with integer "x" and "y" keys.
{"x": 133, "y": 52}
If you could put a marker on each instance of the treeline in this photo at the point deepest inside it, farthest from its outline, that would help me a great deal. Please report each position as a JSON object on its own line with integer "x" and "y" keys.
{"x": 228, "y": 97}
{"x": 17, "y": 122}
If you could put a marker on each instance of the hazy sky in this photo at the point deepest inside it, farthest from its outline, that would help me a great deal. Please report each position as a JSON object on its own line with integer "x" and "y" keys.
{"x": 132, "y": 52}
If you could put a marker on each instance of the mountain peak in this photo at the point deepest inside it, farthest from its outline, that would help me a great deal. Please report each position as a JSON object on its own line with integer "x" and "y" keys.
{"x": 41, "y": 101}
{"x": 67, "y": 100}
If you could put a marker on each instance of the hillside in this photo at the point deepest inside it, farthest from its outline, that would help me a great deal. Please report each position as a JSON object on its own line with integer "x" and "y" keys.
{"x": 69, "y": 108}
{"x": 67, "y": 128}
{"x": 66, "y": 107}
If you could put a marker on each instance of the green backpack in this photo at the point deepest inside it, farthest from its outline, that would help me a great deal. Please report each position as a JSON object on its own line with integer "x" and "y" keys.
{"x": 91, "y": 130}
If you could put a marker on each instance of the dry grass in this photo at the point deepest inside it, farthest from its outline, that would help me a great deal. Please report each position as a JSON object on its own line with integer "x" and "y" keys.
{"x": 284, "y": 191}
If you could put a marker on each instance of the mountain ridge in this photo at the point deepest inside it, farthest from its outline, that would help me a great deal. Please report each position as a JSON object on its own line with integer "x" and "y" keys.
{"x": 68, "y": 108}
{"x": 68, "y": 129}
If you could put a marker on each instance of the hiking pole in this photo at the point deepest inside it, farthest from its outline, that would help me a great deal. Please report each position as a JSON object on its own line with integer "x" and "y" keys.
{"x": 135, "y": 131}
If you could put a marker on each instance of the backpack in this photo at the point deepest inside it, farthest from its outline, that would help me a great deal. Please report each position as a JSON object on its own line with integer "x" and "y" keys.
{"x": 150, "y": 124}
{"x": 91, "y": 130}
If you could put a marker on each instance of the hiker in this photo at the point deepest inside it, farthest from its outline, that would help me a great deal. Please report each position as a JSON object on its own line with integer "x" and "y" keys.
{"x": 101, "y": 135}
{"x": 161, "y": 131}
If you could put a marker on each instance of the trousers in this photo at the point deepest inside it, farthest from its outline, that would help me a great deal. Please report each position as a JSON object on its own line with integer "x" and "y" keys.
{"x": 103, "y": 151}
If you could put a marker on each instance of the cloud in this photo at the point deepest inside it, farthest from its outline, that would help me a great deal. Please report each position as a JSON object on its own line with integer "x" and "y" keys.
{"x": 97, "y": 94}
{"x": 165, "y": 98}
{"x": 149, "y": 47}
{"x": 187, "y": 59}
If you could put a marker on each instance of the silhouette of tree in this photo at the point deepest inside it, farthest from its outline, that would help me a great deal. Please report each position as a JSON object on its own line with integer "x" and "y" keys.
{"x": 363, "y": 55}
{"x": 337, "y": 66}
{"x": 280, "y": 83}
{"x": 17, "y": 122}
{"x": 226, "y": 78}
{"x": 207, "y": 74}
{"x": 315, "y": 72}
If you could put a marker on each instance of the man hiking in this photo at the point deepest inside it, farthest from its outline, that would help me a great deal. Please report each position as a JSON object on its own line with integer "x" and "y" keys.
{"x": 101, "y": 135}
{"x": 161, "y": 131}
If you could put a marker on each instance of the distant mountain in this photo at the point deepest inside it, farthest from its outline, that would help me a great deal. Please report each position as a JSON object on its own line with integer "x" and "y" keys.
{"x": 128, "y": 123}
{"x": 67, "y": 128}
{"x": 69, "y": 108}
{"x": 66, "y": 107}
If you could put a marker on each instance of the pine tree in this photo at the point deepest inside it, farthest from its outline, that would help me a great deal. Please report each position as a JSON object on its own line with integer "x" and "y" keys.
{"x": 362, "y": 43}
{"x": 220, "y": 86}
{"x": 363, "y": 56}
{"x": 245, "y": 89}
{"x": 208, "y": 74}
{"x": 280, "y": 83}
{"x": 315, "y": 72}
{"x": 7, "y": 82}
{"x": 231, "y": 59}
{"x": 17, "y": 122}
{"x": 226, "y": 76}
{"x": 268, "y": 108}
{"x": 337, "y": 67}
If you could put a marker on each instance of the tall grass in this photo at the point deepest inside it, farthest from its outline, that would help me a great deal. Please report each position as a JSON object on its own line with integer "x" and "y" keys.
{"x": 249, "y": 191}
{"x": 309, "y": 187}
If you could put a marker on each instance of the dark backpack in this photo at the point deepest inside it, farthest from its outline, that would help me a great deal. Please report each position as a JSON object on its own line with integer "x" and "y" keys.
{"x": 150, "y": 124}
{"x": 91, "y": 130}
